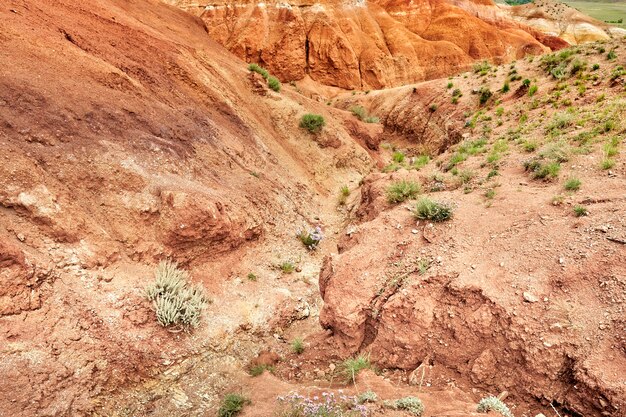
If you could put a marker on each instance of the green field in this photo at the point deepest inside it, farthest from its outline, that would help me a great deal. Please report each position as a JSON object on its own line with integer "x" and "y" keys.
{"x": 601, "y": 10}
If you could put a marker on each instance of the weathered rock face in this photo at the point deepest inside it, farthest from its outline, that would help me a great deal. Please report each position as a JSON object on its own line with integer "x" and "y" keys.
{"x": 558, "y": 19}
{"x": 366, "y": 44}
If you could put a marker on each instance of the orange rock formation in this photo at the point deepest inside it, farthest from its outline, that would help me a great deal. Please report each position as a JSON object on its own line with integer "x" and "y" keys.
{"x": 362, "y": 45}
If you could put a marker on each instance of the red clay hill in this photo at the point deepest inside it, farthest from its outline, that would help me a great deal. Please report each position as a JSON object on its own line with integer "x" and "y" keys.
{"x": 361, "y": 45}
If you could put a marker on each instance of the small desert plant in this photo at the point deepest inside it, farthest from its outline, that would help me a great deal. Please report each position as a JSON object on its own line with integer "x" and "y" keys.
{"x": 344, "y": 192}
{"x": 310, "y": 238}
{"x": 428, "y": 209}
{"x": 421, "y": 161}
{"x": 532, "y": 90}
{"x": 252, "y": 276}
{"x": 287, "y": 267}
{"x": 542, "y": 169}
{"x": 312, "y": 122}
{"x": 259, "y": 369}
{"x": 506, "y": 87}
{"x": 482, "y": 68}
{"x": 450, "y": 85}
{"x": 412, "y": 405}
{"x": 359, "y": 112}
{"x": 572, "y": 184}
{"x": 371, "y": 119}
{"x": 490, "y": 194}
{"x": 273, "y": 83}
{"x": 398, "y": 157}
{"x": 484, "y": 95}
{"x": 529, "y": 146}
{"x": 493, "y": 404}
{"x": 352, "y": 366}
{"x": 611, "y": 148}
{"x": 402, "y": 190}
{"x": 580, "y": 211}
{"x": 232, "y": 404}
{"x": 433, "y": 108}
{"x": 297, "y": 346}
{"x": 258, "y": 69}
{"x": 296, "y": 405}
{"x": 367, "y": 397}
{"x": 607, "y": 163}
{"x": 176, "y": 302}
{"x": 611, "y": 55}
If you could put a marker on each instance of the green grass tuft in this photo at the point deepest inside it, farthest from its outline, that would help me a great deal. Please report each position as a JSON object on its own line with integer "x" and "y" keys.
{"x": 428, "y": 209}
{"x": 312, "y": 122}
{"x": 352, "y": 366}
{"x": 232, "y": 404}
{"x": 402, "y": 190}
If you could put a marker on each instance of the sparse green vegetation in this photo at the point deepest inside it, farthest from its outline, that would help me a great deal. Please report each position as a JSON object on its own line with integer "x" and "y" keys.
{"x": 252, "y": 277}
{"x": 359, "y": 112}
{"x": 398, "y": 157}
{"x": 493, "y": 404}
{"x": 482, "y": 68}
{"x": 273, "y": 83}
{"x": 287, "y": 267}
{"x": 572, "y": 184}
{"x": 532, "y": 90}
{"x": 312, "y": 122}
{"x": 484, "y": 94}
{"x": 539, "y": 168}
{"x": 420, "y": 162}
{"x": 344, "y": 192}
{"x": 258, "y": 69}
{"x": 607, "y": 163}
{"x": 297, "y": 346}
{"x": 428, "y": 209}
{"x": 259, "y": 369}
{"x": 352, "y": 366}
{"x": 611, "y": 55}
{"x": 402, "y": 190}
{"x": 176, "y": 302}
{"x": 411, "y": 405}
{"x": 232, "y": 404}
{"x": 367, "y": 397}
{"x": 580, "y": 211}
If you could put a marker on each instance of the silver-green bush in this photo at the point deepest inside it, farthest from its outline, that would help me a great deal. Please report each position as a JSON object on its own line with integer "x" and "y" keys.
{"x": 175, "y": 301}
{"x": 493, "y": 404}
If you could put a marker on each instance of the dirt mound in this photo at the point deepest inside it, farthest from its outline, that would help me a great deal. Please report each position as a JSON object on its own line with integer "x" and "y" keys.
{"x": 365, "y": 45}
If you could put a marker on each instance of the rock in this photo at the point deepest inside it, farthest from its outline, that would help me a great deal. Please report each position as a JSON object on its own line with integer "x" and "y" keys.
{"x": 529, "y": 297}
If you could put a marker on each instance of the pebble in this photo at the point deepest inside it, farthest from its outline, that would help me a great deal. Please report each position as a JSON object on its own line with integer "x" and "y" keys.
{"x": 415, "y": 231}
{"x": 21, "y": 237}
{"x": 529, "y": 297}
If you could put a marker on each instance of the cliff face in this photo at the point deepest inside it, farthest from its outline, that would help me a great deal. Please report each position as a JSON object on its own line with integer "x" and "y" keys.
{"x": 363, "y": 45}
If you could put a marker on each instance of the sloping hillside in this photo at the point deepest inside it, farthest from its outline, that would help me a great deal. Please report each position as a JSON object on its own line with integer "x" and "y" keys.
{"x": 363, "y": 45}
{"x": 129, "y": 136}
